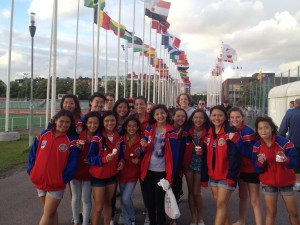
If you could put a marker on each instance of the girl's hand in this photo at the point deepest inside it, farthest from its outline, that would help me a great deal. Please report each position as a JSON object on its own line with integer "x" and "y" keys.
{"x": 120, "y": 166}
{"x": 135, "y": 161}
{"x": 109, "y": 157}
{"x": 85, "y": 161}
{"x": 261, "y": 158}
{"x": 144, "y": 142}
{"x": 231, "y": 135}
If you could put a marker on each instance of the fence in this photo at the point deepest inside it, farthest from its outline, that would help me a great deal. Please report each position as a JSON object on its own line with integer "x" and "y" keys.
{"x": 17, "y": 122}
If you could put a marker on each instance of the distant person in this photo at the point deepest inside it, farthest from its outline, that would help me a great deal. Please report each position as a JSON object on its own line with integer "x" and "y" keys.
{"x": 109, "y": 102}
{"x": 131, "y": 105}
{"x": 291, "y": 105}
{"x": 149, "y": 106}
{"x": 226, "y": 105}
{"x": 184, "y": 100}
{"x": 202, "y": 105}
{"x": 291, "y": 124}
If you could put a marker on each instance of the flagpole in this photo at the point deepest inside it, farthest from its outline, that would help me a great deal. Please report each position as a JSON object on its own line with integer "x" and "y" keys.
{"x": 106, "y": 66}
{"x": 142, "y": 77}
{"x": 159, "y": 78}
{"x": 54, "y": 53}
{"x": 93, "y": 72}
{"x": 76, "y": 47}
{"x": 9, "y": 67}
{"x": 97, "y": 47}
{"x": 49, "y": 78}
{"x": 118, "y": 54}
{"x": 154, "y": 79}
{"x": 132, "y": 59}
{"x": 149, "y": 66}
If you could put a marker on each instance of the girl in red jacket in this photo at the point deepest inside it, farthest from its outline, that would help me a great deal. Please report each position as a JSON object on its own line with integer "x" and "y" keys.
{"x": 223, "y": 163}
{"x": 275, "y": 158}
{"x": 195, "y": 162}
{"x": 131, "y": 171}
{"x": 244, "y": 138}
{"x": 160, "y": 160}
{"x": 52, "y": 163}
{"x": 106, "y": 161}
{"x": 81, "y": 184}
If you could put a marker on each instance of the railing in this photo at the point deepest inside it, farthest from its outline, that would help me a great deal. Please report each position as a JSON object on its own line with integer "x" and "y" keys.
{"x": 18, "y": 122}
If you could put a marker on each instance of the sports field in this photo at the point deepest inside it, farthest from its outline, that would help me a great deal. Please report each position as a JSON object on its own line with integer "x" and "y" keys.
{"x": 21, "y": 122}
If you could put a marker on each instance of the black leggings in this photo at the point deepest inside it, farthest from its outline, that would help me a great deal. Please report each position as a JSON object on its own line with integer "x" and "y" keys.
{"x": 155, "y": 198}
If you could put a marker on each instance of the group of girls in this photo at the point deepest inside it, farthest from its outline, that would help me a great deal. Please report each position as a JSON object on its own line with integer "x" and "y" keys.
{"x": 113, "y": 147}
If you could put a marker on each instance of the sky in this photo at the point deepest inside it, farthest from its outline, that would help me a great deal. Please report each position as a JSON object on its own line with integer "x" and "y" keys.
{"x": 264, "y": 33}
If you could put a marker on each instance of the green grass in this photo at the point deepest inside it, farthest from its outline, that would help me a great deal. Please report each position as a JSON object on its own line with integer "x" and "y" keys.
{"x": 19, "y": 122}
{"x": 13, "y": 153}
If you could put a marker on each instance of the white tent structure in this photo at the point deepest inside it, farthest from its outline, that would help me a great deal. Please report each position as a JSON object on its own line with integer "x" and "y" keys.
{"x": 279, "y": 98}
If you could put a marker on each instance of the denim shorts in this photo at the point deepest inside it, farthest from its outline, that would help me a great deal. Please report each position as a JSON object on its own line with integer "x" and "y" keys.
{"x": 98, "y": 182}
{"x": 54, "y": 194}
{"x": 221, "y": 183}
{"x": 269, "y": 190}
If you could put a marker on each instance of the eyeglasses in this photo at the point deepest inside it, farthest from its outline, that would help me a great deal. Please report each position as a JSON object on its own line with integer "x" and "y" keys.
{"x": 201, "y": 103}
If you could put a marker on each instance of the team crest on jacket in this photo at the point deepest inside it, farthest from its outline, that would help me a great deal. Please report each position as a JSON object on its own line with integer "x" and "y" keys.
{"x": 62, "y": 147}
{"x": 149, "y": 139}
{"x": 137, "y": 150}
{"x": 221, "y": 142}
{"x": 44, "y": 142}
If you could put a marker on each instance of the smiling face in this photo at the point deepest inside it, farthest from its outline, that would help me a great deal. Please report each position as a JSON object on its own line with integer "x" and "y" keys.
{"x": 140, "y": 106}
{"x": 179, "y": 118}
{"x": 184, "y": 101}
{"x": 69, "y": 104}
{"x": 63, "y": 123}
{"x": 97, "y": 104}
{"x": 160, "y": 116}
{"x": 264, "y": 130}
{"x": 109, "y": 103}
{"x": 218, "y": 118}
{"x": 198, "y": 120}
{"x": 122, "y": 109}
{"x": 131, "y": 128}
{"x": 236, "y": 119}
{"x": 92, "y": 124}
{"x": 201, "y": 104}
{"x": 109, "y": 123}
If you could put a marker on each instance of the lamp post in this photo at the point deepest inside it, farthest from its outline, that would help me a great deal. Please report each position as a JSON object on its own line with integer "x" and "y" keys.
{"x": 32, "y": 29}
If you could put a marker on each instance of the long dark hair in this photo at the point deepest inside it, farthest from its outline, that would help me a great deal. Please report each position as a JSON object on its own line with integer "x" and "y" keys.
{"x": 106, "y": 114}
{"x": 67, "y": 113}
{"x": 206, "y": 122}
{"x": 123, "y": 131}
{"x": 77, "y": 111}
{"x": 93, "y": 114}
{"x": 221, "y": 108}
{"x": 152, "y": 111}
{"x": 118, "y": 102}
{"x": 174, "y": 112}
{"x": 267, "y": 120}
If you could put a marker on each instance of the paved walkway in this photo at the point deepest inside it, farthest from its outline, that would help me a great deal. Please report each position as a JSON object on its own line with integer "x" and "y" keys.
{"x": 19, "y": 204}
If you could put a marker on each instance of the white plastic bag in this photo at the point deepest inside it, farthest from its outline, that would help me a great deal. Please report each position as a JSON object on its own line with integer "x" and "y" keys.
{"x": 171, "y": 207}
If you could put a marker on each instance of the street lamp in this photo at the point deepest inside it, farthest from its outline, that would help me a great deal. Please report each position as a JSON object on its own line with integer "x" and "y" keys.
{"x": 32, "y": 29}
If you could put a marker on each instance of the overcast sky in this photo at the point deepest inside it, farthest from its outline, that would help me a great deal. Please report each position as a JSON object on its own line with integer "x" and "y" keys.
{"x": 265, "y": 35}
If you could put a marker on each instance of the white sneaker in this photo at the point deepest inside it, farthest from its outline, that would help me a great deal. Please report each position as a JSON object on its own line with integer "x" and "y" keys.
{"x": 297, "y": 187}
{"x": 112, "y": 222}
{"x": 147, "y": 221}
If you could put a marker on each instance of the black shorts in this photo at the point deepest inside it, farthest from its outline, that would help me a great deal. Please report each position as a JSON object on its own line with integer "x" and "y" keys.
{"x": 250, "y": 177}
{"x": 98, "y": 182}
{"x": 297, "y": 168}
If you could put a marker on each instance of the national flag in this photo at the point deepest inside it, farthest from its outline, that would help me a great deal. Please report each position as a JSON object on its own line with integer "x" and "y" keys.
{"x": 228, "y": 53}
{"x": 158, "y": 12}
{"x": 136, "y": 47}
{"x": 175, "y": 41}
{"x": 109, "y": 24}
{"x": 173, "y": 50}
{"x": 128, "y": 36}
{"x": 159, "y": 27}
{"x": 165, "y": 39}
{"x": 148, "y": 51}
{"x": 94, "y": 4}
{"x": 151, "y": 2}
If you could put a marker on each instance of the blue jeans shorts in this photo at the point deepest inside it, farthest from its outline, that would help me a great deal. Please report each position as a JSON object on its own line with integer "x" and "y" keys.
{"x": 221, "y": 183}
{"x": 269, "y": 190}
{"x": 96, "y": 182}
{"x": 54, "y": 194}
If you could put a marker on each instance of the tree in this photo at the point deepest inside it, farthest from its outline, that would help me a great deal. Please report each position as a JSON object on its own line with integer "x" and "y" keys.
{"x": 2, "y": 89}
{"x": 14, "y": 89}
